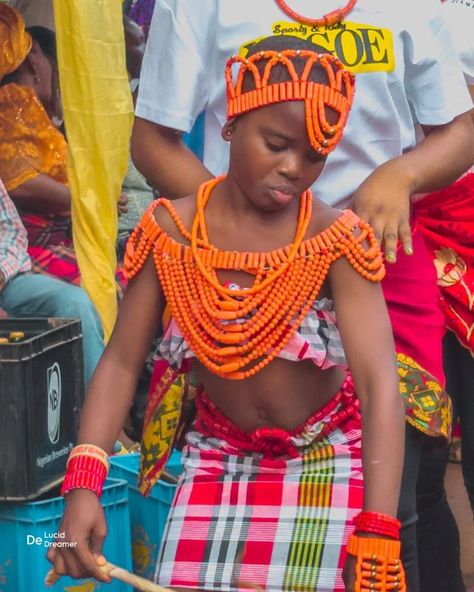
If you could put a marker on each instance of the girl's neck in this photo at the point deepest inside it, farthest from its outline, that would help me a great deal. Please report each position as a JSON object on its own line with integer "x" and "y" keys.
{"x": 230, "y": 201}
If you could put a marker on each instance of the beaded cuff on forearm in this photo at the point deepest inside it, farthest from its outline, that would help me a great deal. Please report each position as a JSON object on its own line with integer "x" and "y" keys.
{"x": 378, "y": 566}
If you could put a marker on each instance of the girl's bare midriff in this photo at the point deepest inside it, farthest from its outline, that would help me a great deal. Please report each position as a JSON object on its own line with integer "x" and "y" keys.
{"x": 284, "y": 394}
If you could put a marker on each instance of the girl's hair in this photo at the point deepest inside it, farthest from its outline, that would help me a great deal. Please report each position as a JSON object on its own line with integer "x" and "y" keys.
{"x": 280, "y": 73}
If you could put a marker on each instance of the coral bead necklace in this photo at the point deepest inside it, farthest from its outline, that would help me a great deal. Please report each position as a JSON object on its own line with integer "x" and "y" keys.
{"x": 331, "y": 18}
{"x": 237, "y": 332}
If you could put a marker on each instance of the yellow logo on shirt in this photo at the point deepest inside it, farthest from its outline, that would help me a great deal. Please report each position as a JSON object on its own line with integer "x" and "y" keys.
{"x": 361, "y": 48}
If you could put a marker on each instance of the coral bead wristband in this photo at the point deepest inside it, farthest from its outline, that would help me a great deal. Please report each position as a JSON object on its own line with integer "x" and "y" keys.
{"x": 377, "y": 523}
{"x": 90, "y": 450}
{"x": 87, "y": 468}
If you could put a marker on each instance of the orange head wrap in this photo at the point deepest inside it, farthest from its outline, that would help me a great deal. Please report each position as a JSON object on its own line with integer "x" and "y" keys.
{"x": 15, "y": 41}
{"x": 336, "y": 94}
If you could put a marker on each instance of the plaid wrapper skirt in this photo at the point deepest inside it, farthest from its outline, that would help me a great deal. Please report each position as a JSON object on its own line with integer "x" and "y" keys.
{"x": 269, "y": 509}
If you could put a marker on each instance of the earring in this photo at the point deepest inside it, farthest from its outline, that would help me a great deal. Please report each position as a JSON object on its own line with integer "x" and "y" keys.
{"x": 37, "y": 79}
{"x": 228, "y": 133}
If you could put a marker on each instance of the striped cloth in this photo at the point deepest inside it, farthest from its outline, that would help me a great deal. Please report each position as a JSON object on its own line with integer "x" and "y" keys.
{"x": 243, "y": 520}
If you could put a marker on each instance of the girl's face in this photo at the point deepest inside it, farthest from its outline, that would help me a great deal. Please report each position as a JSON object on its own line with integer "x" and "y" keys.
{"x": 271, "y": 159}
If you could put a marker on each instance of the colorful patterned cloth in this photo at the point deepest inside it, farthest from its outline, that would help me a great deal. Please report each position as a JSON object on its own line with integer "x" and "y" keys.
{"x": 243, "y": 520}
{"x": 169, "y": 397}
{"x": 428, "y": 406}
{"x": 30, "y": 145}
{"x": 446, "y": 219}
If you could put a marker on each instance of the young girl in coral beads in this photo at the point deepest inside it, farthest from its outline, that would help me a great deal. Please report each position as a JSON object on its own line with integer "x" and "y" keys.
{"x": 284, "y": 487}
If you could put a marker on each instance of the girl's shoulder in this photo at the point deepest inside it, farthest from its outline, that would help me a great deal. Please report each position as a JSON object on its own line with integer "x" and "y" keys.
{"x": 164, "y": 223}
{"x": 175, "y": 216}
{"x": 323, "y": 217}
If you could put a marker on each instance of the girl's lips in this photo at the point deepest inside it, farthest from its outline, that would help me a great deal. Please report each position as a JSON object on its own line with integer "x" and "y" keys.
{"x": 281, "y": 197}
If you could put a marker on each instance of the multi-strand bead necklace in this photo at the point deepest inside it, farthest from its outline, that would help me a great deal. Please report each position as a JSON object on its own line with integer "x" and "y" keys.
{"x": 236, "y": 333}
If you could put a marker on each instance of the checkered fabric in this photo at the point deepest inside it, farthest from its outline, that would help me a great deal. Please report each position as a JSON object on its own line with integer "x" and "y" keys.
{"x": 13, "y": 240}
{"x": 241, "y": 520}
{"x": 316, "y": 339}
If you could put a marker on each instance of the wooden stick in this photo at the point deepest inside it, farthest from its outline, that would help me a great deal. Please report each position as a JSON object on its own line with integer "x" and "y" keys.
{"x": 168, "y": 478}
{"x": 119, "y": 574}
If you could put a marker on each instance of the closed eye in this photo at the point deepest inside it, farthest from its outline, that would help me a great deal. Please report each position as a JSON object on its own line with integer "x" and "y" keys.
{"x": 274, "y": 147}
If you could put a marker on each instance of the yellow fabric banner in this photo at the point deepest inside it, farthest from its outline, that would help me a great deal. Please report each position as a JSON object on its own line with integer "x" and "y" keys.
{"x": 98, "y": 113}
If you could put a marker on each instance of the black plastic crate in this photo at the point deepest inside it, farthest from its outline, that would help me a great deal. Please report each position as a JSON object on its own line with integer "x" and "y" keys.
{"x": 41, "y": 396}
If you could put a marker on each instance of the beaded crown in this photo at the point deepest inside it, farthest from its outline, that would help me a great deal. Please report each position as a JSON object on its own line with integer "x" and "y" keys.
{"x": 337, "y": 94}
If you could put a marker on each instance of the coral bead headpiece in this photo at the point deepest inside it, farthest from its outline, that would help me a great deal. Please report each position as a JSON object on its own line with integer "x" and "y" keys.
{"x": 337, "y": 94}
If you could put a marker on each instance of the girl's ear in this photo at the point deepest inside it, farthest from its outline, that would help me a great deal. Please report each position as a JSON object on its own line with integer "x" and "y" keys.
{"x": 227, "y": 130}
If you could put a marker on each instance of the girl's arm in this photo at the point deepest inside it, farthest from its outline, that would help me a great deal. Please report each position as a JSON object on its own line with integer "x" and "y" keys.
{"x": 108, "y": 401}
{"x": 367, "y": 338}
{"x": 112, "y": 387}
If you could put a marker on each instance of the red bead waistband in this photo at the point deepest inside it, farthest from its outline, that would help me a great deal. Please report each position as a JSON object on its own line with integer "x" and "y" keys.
{"x": 273, "y": 441}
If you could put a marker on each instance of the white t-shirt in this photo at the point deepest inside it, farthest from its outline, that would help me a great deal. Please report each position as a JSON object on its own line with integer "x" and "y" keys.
{"x": 459, "y": 15}
{"x": 408, "y": 68}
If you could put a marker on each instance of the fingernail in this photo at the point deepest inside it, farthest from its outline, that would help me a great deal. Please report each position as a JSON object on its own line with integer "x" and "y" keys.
{"x": 390, "y": 257}
{"x": 409, "y": 250}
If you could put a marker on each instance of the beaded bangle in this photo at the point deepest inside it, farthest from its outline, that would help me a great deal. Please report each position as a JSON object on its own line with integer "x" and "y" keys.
{"x": 87, "y": 468}
{"x": 87, "y": 463}
{"x": 377, "y": 523}
{"x": 82, "y": 480}
{"x": 378, "y": 565}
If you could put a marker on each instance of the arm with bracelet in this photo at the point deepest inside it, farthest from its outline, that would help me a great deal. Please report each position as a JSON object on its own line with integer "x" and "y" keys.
{"x": 108, "y": 401}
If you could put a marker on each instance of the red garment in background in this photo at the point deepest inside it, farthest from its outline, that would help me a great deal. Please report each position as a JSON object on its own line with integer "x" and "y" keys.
{"x": 412, "y": 297}
{"x": 446, "y": 219}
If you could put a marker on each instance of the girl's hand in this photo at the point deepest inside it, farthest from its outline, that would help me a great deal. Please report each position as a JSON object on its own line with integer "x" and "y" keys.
{"x": 348, "y": 573}
{"x": 383, "y": 200}
{"x": 85, "y": 528}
